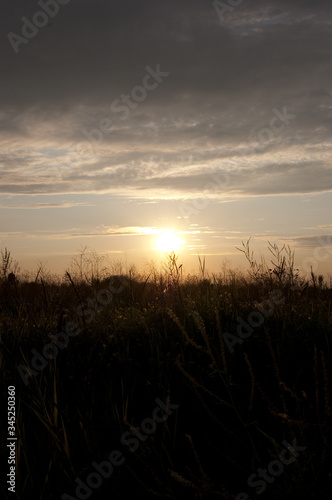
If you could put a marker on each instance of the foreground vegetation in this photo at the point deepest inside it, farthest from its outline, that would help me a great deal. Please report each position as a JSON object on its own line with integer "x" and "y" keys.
{"x": 133, "y": 339}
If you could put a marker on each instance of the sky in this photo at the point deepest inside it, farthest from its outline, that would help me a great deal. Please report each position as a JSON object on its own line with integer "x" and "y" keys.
{"x": 133, "y": 128}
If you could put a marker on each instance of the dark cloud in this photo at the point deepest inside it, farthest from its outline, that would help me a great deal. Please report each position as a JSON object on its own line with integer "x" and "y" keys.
{"x": 225, "y": 79}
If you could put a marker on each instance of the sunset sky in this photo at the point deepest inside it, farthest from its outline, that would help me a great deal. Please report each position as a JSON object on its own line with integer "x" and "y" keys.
{"x": 125, "y": 125}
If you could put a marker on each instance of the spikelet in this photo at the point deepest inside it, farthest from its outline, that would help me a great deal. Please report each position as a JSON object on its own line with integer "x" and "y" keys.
{"x": 203, "y": 475}
{"x": 301, "y": 424}
{"x": 176, "y": 320}
{"x": 182, "y": 480}
{"x": 289, "y": 390}
{"x": 201, "y": 327}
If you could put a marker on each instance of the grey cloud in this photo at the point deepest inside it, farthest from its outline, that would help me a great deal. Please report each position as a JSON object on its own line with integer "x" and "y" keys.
{"x": 41, "y": 206}
{"x": 225, "y": 80}
{"x": 320, "y": 240}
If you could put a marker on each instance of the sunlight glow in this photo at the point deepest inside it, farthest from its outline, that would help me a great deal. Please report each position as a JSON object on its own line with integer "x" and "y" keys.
{"x": 168, "y": 241}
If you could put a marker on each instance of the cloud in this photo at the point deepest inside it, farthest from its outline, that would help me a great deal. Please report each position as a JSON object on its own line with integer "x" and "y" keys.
{"x": 41, "y": 206}
{"x": 225, "y": 80}
{"x": 321, "y": 240}
{"x": 79, "y": 233}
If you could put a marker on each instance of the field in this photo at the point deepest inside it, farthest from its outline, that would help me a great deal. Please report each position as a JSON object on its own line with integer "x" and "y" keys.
{"x": 172, "y": 386}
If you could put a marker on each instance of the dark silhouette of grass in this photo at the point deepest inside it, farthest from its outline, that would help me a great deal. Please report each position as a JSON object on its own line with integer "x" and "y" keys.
{"x": 164, "y": 335}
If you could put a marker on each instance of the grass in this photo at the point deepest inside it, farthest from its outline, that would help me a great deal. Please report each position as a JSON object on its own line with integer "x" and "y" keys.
{"x": 163, "y": 335}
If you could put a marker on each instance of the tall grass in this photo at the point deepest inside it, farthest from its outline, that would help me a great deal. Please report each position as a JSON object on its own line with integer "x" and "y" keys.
{"x": 164, "y": 335}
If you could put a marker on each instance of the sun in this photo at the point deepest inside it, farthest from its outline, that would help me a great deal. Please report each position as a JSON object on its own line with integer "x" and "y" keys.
{"x": 168, "y": 241}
